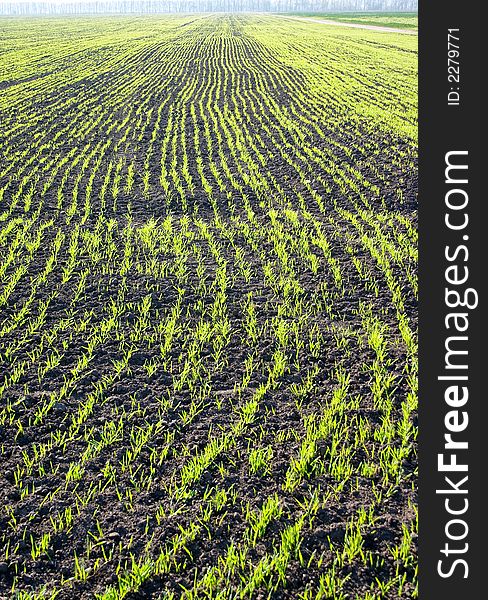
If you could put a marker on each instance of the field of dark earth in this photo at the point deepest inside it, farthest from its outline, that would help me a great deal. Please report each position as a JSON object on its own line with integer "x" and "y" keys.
{"x": 208, "y": 310}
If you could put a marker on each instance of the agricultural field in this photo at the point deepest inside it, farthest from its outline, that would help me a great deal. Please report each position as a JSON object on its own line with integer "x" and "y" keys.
{"x": 382, "y": 19}
{"x": 208, "y": 300}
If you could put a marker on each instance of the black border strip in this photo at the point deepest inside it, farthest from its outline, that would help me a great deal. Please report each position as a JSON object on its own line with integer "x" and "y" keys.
{"x": 447, "y": 128}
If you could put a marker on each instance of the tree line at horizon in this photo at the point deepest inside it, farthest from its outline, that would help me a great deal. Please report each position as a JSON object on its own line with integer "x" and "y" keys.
{"x": 182, "y": 6}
